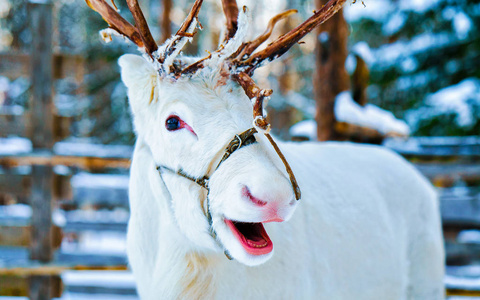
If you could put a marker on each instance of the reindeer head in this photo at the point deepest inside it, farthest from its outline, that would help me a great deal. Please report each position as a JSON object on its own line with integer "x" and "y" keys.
{"x": 225, "y": 176}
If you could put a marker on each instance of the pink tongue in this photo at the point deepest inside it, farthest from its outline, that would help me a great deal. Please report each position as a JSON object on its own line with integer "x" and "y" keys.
{"x": 252, "y": 236}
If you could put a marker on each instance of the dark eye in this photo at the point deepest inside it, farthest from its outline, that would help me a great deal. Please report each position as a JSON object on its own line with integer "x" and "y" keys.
{"x": 173, "y": 123}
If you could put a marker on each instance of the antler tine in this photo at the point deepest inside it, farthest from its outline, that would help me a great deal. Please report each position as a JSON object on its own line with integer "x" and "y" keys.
{"x": 230, "y": 9}
{"x": 255, "y": 94}
{"x": 192, "y": 15}
{"x": 142, "y": 26}
{"x": 285, "y": 42}
{"x": 186, "y": 31}
{"x": 116, "y": 21}
{"x": 253, "y": 45}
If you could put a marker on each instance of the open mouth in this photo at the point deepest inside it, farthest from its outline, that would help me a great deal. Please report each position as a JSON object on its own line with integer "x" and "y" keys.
{"x": 252, "y": 236}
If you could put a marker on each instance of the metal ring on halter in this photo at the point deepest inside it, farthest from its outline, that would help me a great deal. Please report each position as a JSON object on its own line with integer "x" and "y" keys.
{"x": 239, "y": 141}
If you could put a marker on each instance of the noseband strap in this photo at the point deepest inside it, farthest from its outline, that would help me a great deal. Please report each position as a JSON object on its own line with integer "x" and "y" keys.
{"x": 240, "y": 140}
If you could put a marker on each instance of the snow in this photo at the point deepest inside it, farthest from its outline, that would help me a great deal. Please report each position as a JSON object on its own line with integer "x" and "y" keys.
{"x": 94, "y": 216}
{"x": 16, "y": 210}
{"x": 381, "y": 10}
{"x": 394, "y": 23}
{"x": 371, "y": 116}
{"x": 23, "y": 212}
{"x": 4, "y": 86}
{"x": 347, "y": 110}
{"x": 15, "y": 146}
{"x": 462, "y": 282}
{"x": 104, "y": 181}
{"x": 363, "y": 50}
{"x": 390, "y": 54}
{"x": 307, "y": 128}
{"x": 419, "y": 6}
{"x": 18, "y": 87}
{"x": 469, "y": 237}
{"x": 88, "y": 149}
{"x": 410, "y": 145}
{"x": 462, "y": 25}
{"x": 463, "y": 277}
{"x": 77, "y": 296}
{"x": 401, "y": 52}
{"x": 99, "y": 278}
{"x": 5, "y": 7}
{"x": 457, "y": 99}
{"x": 300, "y": 102}
{"x": 97, "y": 242}
{"x": 375, "y": 10}
{"x": 12, "y": 110}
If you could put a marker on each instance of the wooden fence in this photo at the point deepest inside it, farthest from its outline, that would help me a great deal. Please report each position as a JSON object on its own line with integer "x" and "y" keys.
{"x": 36, "y": 272}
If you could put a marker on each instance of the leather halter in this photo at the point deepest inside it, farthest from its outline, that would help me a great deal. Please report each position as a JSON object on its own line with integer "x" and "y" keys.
{"x": 240, "y": 140}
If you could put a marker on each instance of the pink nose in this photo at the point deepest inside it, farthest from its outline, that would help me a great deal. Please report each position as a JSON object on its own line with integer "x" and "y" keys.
{"x": 270, "y": 210}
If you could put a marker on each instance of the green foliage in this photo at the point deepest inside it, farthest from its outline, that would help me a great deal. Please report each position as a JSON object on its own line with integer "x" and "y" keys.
{"x": 405, "y": 83}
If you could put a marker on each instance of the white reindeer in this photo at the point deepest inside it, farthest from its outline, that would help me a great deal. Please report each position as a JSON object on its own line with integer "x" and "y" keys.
{"x": 204, "y": 182}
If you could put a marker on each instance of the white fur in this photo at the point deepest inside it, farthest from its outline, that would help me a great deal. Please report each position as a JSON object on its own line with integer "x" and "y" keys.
{"x": 367, "y": 226}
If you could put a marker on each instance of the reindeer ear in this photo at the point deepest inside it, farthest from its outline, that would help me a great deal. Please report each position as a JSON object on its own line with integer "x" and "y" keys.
{"x": 141, "y": 80}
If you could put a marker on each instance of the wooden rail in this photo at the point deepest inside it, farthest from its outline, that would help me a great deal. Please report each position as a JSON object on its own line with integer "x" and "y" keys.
{"x": 45, "y": 159}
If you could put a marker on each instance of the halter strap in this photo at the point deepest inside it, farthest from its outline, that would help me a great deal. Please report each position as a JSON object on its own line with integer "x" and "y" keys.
{"x": 240, "y": 140}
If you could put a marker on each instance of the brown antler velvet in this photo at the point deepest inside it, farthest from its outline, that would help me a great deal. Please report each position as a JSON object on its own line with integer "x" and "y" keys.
{"x": 142, "y": 27}
{"x": 230, "y": 9}
{"x": 116, "y": 21}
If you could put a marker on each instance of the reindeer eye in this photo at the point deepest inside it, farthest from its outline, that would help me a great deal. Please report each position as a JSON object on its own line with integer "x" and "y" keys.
{"x": 173, "y": 123}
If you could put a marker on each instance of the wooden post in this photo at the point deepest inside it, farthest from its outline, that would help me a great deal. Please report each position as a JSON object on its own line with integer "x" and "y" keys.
{"x": 40, "y": 287}
{"x": 41, "y": 248}
{"x": 330, "y": 77}
{"x": 41, "y": 26}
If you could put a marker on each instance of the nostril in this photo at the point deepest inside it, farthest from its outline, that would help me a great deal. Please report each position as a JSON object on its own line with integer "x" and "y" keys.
{"x": 248, "y": 195}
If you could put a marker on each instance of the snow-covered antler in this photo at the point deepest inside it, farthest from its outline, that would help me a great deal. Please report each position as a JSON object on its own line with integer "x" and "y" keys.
{"x": 241, "y": 59}
{"x": 140, "y": 33}
{"x": 249, "y": 62}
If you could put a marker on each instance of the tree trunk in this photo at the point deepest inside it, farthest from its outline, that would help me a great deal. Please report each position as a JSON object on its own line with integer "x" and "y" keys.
{"x": 331, "y": 77}
{"x": 166, "y": 30}
{"x": 360, "y": 81}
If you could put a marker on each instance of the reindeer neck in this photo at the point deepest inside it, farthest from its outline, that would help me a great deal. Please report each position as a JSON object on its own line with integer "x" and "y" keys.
{"x": 191, "y": 275}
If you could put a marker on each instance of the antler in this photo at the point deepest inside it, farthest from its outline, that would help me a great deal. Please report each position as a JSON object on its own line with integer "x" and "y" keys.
{"x": 253, "y": 45}
{"x": 244, "y": 59}
{"x": 116, "y": 21}
{"x": 186, "y": 31}
{"x": 285, "y": 42}
{"x": 142, "y": 26}
{"x": 140, "y": 33}
{"x": 230, "y": 9}
{"x": 255, "y": 93}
